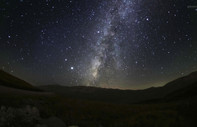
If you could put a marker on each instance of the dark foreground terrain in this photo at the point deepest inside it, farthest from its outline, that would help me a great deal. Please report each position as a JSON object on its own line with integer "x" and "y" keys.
{"x": 173, "y": 105}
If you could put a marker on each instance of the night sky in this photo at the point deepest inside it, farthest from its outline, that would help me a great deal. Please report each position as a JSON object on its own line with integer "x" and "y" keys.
{"x": 130, "y": 44}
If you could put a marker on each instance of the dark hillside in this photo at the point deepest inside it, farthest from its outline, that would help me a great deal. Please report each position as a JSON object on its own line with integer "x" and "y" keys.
{"x": 9, "y": 80}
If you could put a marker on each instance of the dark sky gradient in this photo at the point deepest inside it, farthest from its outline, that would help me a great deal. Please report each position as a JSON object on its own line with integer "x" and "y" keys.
{"x": 107, "y": 43}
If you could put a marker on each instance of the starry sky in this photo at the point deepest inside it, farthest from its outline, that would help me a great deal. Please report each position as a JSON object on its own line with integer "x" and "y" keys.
{"x": 127, "y": 44}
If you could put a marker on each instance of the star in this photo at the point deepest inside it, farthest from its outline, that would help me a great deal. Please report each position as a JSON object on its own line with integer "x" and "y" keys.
{"x": 108, "y": 42}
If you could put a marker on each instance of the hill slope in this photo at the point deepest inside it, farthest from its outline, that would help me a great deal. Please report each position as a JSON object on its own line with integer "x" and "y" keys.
{"x": 9, "y": 80}
{"x": 127, "y": 96}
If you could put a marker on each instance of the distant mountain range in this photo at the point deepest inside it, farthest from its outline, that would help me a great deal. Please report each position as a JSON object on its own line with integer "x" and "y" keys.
{"x": 181, "y": 88}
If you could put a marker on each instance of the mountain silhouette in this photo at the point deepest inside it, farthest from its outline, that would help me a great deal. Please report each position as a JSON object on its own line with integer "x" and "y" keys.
{"x": 11, "y": 81}
{"x": 176, "y": 88}
{"x": 180, "y": 88}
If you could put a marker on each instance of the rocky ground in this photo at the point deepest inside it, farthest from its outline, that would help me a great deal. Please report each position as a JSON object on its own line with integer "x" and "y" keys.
{"x": 27, "y": 117}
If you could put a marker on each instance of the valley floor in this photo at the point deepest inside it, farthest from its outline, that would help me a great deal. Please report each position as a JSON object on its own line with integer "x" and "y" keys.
{"x": 85, "y": 113}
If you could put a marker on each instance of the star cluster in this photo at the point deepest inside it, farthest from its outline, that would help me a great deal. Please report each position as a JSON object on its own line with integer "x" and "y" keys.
{"x": 115, "y": 43}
